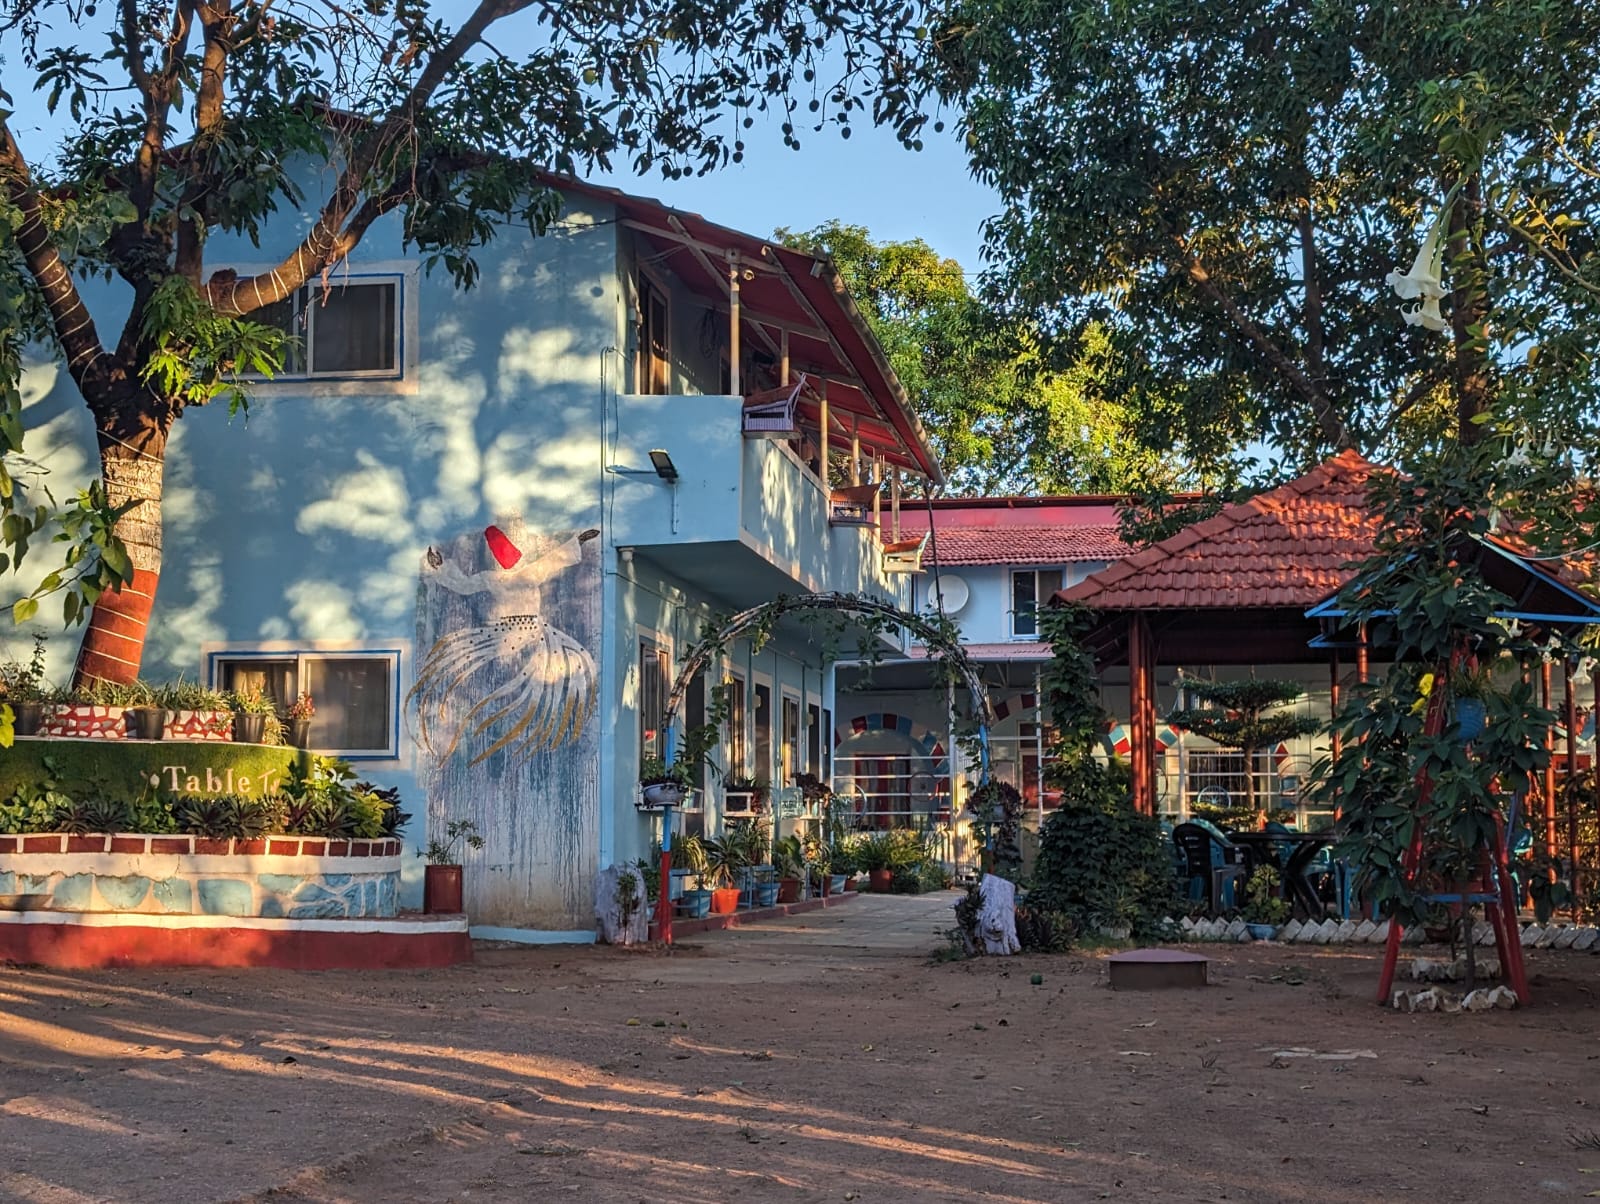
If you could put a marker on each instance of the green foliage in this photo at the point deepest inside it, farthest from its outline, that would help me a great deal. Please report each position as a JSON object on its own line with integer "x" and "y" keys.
{"x": 1241, "y": 715}
{"x": 227, "y": 816}
{"x": 1262, "y": 903}
{"x": 96, "y": 813}
{"x": 34, "y": 803}
{"x": 253, "y": 702}
{"x": 1227, "y": 187}
{"x": 1425, "y": 596}
{"x": 653, "y": 771}
{"x": 724, "y": 858}
{"x": 689, "y": 853}
{"x": 1042, "y": 931}
{"x": 323, "y": 799}
{"x": 1070, "y": 688}
{"x": 198, "y": 355}
{"x": 442, "y": 850}
{"x": 1002, "y": 419}
{"x": 997, "y": 817}
{"x": 26, "y": 683}
{"x": 1102, "y": 864}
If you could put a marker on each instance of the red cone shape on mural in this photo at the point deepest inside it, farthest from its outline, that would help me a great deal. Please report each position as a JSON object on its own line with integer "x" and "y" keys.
{"x": 506, "y": 552}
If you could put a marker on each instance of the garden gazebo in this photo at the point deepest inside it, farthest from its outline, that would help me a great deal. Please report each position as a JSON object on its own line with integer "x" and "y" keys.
{"x": 1232, "y": 589}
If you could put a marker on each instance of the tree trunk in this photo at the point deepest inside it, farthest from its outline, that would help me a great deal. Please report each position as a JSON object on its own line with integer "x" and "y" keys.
{"x": 133, "y": 447}
{"x": 1469, "y": 312}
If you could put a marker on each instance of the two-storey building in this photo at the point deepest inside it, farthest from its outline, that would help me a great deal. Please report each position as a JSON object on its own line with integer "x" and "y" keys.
{"x": 482, "y": 527}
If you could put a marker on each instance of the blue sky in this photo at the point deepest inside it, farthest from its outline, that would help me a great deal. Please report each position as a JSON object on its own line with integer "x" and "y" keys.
{"x": 869, "y": 180}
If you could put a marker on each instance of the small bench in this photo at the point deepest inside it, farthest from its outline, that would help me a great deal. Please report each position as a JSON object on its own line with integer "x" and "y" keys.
{"x": 774, "y": 413}
{"x": 851, "y": 505}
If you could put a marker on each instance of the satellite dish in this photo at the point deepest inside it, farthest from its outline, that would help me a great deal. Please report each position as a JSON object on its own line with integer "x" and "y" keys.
{"x": 949, "y": 589}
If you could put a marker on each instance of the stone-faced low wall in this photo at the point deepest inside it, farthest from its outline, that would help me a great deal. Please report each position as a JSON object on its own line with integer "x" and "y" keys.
{"x": 293, "y": 877}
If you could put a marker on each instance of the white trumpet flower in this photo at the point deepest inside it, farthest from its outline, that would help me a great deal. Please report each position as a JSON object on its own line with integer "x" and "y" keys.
{"x": 1425, "y": 279}
{"x": 1584, "y": 673}
{"x": 1427, "y": 314}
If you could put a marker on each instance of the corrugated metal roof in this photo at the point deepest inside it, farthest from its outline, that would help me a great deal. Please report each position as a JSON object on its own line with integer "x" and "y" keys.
{"x": 1025, "y": 545}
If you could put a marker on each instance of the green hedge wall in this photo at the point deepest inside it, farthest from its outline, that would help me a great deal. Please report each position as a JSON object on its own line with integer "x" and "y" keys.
{"x": 123, "y": 768}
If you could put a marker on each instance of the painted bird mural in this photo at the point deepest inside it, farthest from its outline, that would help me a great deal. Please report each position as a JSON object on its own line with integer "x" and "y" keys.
{"x": 514, "y": 683}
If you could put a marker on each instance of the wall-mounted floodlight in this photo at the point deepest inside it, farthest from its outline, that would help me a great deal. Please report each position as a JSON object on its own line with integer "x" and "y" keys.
{"x": 665, "y": 468}
{"x": 816, "y": 269}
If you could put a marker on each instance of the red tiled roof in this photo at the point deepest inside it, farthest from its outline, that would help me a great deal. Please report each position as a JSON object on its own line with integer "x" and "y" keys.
{"x": 1025, "y": 545}
{"x": 1284, "y": 548}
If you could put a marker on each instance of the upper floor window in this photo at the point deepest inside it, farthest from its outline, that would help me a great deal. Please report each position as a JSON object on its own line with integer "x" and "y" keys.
{"x": 655, "y": 684}
{"x": 652, "y": 359}
{"x": 355, "y": 691}
{"x": 1031, "y": 589}
{"x": 349, "y": 329}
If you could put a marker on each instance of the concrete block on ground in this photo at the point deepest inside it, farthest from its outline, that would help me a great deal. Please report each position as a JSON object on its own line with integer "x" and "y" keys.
{"x": 1565, "y": 938}
{"x": 1379, "y": 934}
{"x": 1346, "y": 932}
{"x": 1289, "y": 931}
{"x": 1364, "y": 931}
{"x": 1585, "y": 939}
{"x": 1531, "y": 935}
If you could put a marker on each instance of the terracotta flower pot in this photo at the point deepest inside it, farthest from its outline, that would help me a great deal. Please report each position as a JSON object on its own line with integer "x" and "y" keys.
{"x": 879, "y": 880}
{"x": 725, "y": 900}
{"x": 789, "y": 890}
{"x": 441, "y": 890}
{"x": 300, "y": 733}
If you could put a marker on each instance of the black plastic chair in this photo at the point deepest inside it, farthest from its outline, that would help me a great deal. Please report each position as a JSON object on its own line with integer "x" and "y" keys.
{"x": 1217, "y": 864}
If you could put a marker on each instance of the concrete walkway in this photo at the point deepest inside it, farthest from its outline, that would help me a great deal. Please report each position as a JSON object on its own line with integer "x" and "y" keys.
{"x": 872, "y": 926}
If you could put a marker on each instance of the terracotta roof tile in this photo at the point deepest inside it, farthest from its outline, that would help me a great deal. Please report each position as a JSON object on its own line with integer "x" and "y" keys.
{"x": 1025, "y": 545}
{"x": 1284, "y": 548}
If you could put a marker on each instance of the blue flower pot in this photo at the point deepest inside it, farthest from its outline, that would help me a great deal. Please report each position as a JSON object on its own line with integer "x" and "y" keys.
{"x": 1262, "y": 932}
{"x": 1472, "y": 717}
{"x": 766, "y": 894}
{"x": 696, "y": 904}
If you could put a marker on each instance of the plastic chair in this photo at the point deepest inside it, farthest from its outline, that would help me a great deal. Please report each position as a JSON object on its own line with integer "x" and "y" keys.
{"x": 1210, "y": 861}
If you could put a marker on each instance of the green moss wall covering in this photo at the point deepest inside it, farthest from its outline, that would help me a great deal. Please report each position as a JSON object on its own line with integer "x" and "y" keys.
{"x": 124, "y": 767}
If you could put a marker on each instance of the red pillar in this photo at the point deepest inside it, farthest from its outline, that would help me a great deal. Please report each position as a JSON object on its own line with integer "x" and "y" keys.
{"x": 1550, "y": 836}
{"x": 1571, "y": 785}
{"x": 1142, "y": 713}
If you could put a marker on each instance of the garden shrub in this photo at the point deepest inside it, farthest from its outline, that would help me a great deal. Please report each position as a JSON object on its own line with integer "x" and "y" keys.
{"x": 1101, "y": 863}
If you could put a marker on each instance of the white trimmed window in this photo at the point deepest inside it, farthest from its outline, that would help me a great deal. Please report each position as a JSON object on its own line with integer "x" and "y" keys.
{"x": 349, "y": 330}
{"x": 356, "y": 691}
{"x": 1031, "y": 589}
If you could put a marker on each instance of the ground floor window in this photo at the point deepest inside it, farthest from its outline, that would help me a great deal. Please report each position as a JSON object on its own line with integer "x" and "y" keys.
{"x": 733, "y": 689}
{"x": 763, "y": 726}
{"x": 355, "y": 692}
{"x": 655, "y": 684}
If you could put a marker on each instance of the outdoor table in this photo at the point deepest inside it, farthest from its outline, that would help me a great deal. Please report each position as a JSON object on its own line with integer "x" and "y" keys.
{"x": 1262, "y": 848}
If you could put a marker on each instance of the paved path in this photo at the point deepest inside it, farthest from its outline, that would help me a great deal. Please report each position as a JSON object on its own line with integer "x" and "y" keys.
{"x": 871, "y": 926}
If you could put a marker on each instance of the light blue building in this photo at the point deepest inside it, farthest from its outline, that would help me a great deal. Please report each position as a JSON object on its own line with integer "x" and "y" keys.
{"x": 482, "y": 528}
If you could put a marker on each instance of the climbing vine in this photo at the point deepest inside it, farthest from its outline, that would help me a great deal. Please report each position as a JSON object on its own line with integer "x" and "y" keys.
{"x": 1411, "y": 753}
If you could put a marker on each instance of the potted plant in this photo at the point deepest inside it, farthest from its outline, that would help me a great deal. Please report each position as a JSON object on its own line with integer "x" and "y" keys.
{"x": 24, "y": 688}
{"x": 789, "y": 861}
{"x": 755, "y": 843}
{"x": 251, "y": 709}
{"x": 724, "y": 860}
{"x": 441, "y": 877}
{"x": 743, "y": 795}
{"x": 1263, "y": 910}
{"x": 814, "y": 792}
{"x": 300, "y": 712}
{"x": 841, "y": 867}
{"x": 1471, "y": 691}
{"x": 194, "y": 711}
{"x": 875, "y": 855}
{"x": 145, "y": 717}
{"x": 689, "y": 860}
{"x": 662, "y": 785}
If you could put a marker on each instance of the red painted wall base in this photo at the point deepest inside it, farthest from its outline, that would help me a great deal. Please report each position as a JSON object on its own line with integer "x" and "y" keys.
{"x": 81, "y": 946}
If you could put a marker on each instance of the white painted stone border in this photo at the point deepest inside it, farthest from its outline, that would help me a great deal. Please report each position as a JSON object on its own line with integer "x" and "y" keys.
{"x": 1580, "y": 938}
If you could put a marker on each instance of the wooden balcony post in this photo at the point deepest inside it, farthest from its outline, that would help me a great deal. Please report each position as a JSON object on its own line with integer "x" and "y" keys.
{"x": 735, "y": 385}
{"x": 822, "y": 390}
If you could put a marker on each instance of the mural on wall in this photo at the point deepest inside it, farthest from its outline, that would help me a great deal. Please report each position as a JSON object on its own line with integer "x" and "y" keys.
{"x": 546, "y": 691}
{"x": 502, "y": 713}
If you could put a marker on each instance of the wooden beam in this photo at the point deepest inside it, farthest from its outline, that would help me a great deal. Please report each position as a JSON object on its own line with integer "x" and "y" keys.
{"x": 718, "y": 280}
{"x": 1550, "y": 835}
{"x": 735, "y": 384}
{"x": 1572, "y": 783}
{"x": 822, "y": 402}
{"x": 1141, "y": 717}
{"x": 681, "y": 236}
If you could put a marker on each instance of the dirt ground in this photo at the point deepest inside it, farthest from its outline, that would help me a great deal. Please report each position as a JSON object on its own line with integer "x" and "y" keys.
{"x": 826, "y": 1058}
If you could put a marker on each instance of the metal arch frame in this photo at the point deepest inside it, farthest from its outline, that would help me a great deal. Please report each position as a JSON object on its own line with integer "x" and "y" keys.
{"x": 700, "y": 655}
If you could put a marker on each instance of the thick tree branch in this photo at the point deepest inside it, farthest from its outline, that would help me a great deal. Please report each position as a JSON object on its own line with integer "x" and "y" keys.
{"x": 216, "y": 26}
{"x": 1333, "y": 428}
{"x": 1313, "y": 298}
{"x": 87, "y": 361}
{"x": 330, "y": 238}
{"x": 156, "y": 91}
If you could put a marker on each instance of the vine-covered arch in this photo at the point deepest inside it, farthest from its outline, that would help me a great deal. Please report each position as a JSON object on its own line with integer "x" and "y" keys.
{"x": 941, "y": 639}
